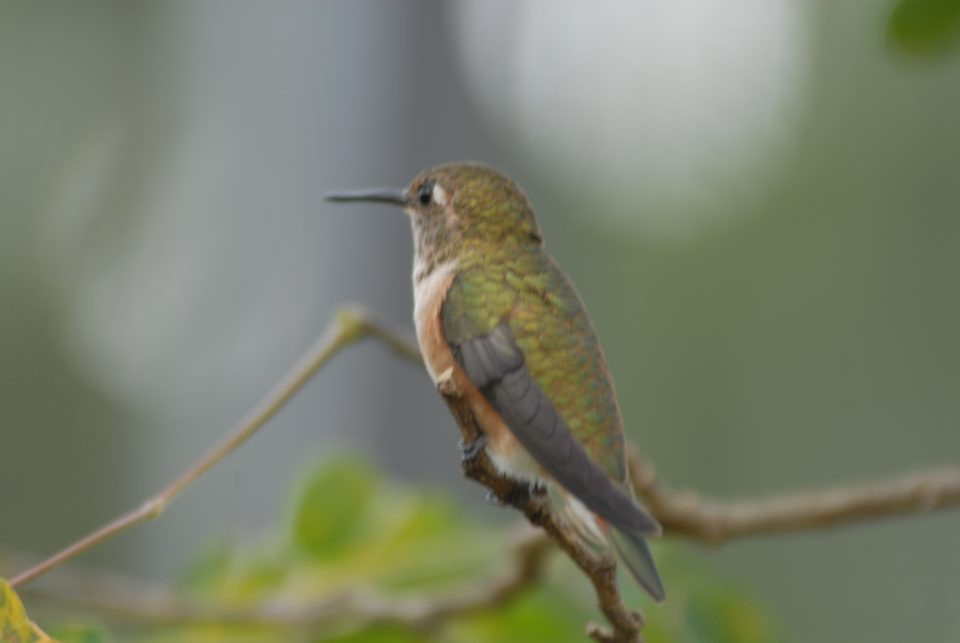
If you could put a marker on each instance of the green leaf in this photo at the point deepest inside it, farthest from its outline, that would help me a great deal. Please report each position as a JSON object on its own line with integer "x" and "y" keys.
{"x": 80, "y": 633}
{"x": 925, "y": 27}
{"x": 726, "y": 617}
{"x": 207, "y": 570}
{"x": 351, "y": 531}
{"x": 14, "y": 624}
{"x": 332, "y": 508}
{"x": 543, "y": 615}
{"x": 375, "y": 634}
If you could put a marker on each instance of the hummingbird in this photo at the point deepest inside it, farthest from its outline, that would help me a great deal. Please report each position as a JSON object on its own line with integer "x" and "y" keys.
{"x": 494, "y": 312}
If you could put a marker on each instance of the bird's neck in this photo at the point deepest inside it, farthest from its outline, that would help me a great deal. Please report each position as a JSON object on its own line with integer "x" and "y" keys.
{"x": 434, "y": 244}
{"x": 428, "y": 259}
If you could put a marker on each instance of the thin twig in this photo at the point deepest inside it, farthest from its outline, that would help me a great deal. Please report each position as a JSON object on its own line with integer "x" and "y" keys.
{"x": 684, "y": 513}
{"x": 129, "y": 599}
{"x": 347, "y": 327}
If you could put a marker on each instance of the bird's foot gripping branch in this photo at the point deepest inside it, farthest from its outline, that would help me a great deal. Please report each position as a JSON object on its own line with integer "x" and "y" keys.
{"x": 600, "y": 568}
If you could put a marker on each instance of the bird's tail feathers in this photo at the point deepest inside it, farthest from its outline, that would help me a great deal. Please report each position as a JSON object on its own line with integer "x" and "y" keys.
{"x": 631, "y": 545}
{"x": 635, "y": 554}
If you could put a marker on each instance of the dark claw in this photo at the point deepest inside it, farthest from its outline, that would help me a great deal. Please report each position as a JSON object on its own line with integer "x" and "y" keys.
{"x": 538, "y": 516}
{"x": 470, "y": 450}
{"x": 519, "y": 495}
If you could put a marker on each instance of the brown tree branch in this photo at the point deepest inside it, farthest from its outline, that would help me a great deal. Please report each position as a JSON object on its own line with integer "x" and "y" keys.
{"x": 680, "y": 513}
{"x": 128, "y": 599}
{"x": 686, "y": 514}
{"x": 599, "y": 568}
{"x": 348, "y": 326}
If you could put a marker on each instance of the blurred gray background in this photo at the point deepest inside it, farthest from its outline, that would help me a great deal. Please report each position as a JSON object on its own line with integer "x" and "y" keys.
{"x": 759, "y": 203}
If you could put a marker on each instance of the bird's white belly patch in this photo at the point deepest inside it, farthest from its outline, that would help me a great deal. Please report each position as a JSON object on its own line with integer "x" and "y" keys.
{"x": 508, "y": 456}
{"x": 428, "y": 296}
{"x": 516, "y": 463}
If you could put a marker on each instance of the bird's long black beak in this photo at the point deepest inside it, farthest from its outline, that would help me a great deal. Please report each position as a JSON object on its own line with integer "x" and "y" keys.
{"x": 392, "y": 196}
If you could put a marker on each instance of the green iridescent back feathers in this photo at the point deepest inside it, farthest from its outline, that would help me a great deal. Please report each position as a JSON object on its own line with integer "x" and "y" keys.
{"x": 513, "y": 279}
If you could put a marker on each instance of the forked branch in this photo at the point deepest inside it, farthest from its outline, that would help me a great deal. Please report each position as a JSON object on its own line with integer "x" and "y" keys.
{"x": 348, "y": 326}
{"x": 134, "y": 600}
{"x": 687, "y": 514}
{"x": 681, "y": 513}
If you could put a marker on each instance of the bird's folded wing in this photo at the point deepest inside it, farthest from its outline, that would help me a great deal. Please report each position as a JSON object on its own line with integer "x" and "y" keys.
{"x": 495, "y": 365}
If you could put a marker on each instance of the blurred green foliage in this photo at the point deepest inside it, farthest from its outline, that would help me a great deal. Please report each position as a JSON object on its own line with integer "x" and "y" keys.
{"x": 350, "y": 532}
{"x": 14, "y": 624}
{"x": 80, "y": 633}
{"x": 925, "y": 26}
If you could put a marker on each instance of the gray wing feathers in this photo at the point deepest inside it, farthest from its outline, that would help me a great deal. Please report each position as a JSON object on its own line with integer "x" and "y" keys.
{"x": 486, "y": 359}
{"x": 495, "y": 364}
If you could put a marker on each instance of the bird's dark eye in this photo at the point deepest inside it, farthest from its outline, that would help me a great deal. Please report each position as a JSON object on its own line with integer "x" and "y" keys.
{"x": 425, "y": 195}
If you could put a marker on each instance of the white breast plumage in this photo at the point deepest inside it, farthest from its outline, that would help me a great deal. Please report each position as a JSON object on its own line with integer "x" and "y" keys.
{"x": 428, "y": 291}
